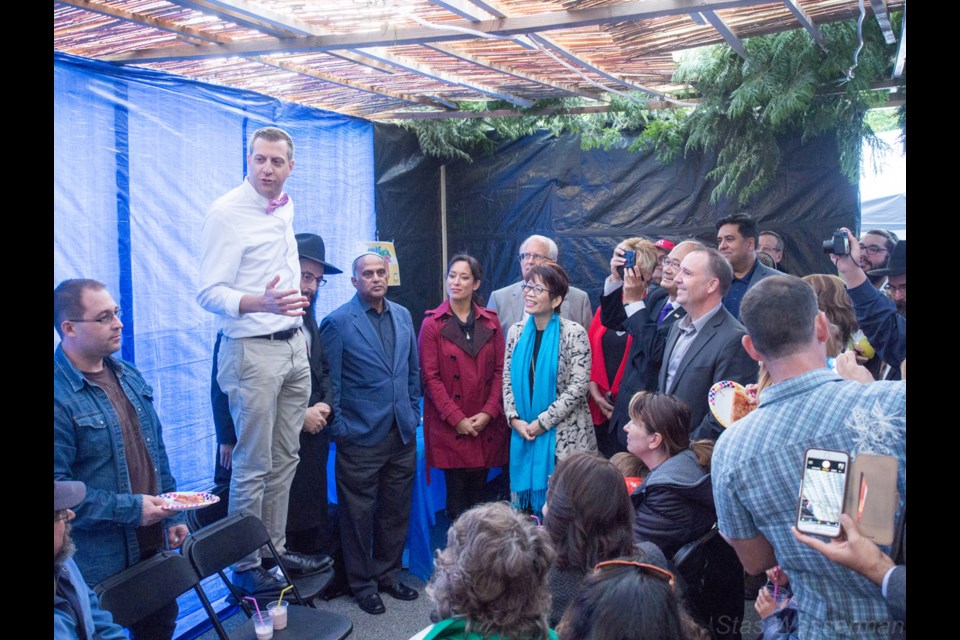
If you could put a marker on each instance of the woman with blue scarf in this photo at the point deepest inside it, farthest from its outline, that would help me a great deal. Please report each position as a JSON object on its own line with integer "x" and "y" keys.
{"x": 545, "y": 378}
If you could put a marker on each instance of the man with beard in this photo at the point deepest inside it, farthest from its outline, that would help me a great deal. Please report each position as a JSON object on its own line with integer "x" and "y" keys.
{"x": 76, "y": 609}
{"x": 648, "y": 318}
{"x": 306, "y": 520}
{"x": 877, "y": 314}
{"x": 876, "y": 247}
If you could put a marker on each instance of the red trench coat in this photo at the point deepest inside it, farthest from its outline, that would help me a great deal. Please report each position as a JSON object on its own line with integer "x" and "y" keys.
{"x": 457, "y": 386}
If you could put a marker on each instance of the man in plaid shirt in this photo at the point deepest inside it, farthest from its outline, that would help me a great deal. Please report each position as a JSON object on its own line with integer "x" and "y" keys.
{"x": 758, "y": 461}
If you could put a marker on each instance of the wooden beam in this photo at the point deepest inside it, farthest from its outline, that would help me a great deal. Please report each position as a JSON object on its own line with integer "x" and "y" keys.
{"x": 586, "y": 64}
{"x": 343, "y": 82}
{"x": 148, "y": 21}
{"x": 420, "y": 35}
{"x": 383, "y": 55}
{"x": 468, "y": 10}
{"x": 807, "y": 22}
{"x": 902, "y": 47}
{"x": 726, "y": 32}
{"x": 696, "y": 17}
{"x": 239, "y": 18}
{"x": 883, "y": 19}
{"x": 562, "y": 86}
{"x": 501, "y": 113}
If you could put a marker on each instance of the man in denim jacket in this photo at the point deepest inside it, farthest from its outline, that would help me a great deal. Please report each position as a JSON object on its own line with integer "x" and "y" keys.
{"x": 106, "y": 434}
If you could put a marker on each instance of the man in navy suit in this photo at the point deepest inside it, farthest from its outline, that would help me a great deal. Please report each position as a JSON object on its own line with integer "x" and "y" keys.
{"x": 371, "y": 350}
{"x": 704, "y": 347}
{"x": 737, "y": 241}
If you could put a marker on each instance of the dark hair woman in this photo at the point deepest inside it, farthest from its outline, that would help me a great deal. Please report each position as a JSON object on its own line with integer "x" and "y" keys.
{"x": 461, "y": 361}
{"x": 675, "y": 506}
{"x": 628, "y": 600}
{"x": 589, "y": 518}
{"x": 545, "y": 378}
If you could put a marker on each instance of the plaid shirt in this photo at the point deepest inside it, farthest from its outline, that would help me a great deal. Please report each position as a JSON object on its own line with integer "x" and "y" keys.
{"x": 757, "y": 467}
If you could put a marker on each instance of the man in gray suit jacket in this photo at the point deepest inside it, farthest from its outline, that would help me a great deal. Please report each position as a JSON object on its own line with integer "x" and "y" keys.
{"x": 737, "y": 241}
{"x": 704, "y": 346}
{"x": 508, "y": 301}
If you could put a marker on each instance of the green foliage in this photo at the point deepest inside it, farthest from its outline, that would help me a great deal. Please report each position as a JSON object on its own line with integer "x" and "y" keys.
{"x": 786, "y": 85}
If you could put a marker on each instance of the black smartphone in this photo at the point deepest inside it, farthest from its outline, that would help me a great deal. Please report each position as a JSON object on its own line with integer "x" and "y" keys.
{"x": 631, "y": 262}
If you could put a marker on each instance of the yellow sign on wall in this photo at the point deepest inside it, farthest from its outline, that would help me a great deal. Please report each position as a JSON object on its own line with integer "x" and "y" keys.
{"x": 387, "y": 251}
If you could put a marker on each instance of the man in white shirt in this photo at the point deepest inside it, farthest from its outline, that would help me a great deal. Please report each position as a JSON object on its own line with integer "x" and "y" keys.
{"x": 250, "y": 277}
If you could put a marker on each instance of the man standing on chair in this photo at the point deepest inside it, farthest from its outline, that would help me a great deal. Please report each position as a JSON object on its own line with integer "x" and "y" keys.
{"x": 371, "y": 348}
{"x": 107, "y": 434}
{"x": 250, "y": 278}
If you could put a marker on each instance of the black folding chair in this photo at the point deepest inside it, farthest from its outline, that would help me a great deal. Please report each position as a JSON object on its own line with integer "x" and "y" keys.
{"x": 146, "y": 587}
{"x": 217, "y": 546}
{"x": 714, "y": 580}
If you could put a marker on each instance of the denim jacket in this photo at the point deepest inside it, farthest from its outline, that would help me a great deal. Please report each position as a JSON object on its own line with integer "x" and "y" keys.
{"x": 88, "y": 446}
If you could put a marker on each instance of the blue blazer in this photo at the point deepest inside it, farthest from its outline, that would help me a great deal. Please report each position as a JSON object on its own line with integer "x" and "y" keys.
{"x": 370, "y": 393}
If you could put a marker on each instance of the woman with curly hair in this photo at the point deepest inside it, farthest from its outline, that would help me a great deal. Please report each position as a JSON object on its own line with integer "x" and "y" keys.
{"x": 491, "y": 580}
{"x": 589, "y": 518}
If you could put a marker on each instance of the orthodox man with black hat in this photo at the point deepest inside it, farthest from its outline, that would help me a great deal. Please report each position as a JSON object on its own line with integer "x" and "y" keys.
{"x": 306, "y": 520}
{"x": 76, "y": 609}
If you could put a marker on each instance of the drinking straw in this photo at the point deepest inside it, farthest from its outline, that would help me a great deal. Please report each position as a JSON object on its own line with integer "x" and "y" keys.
{"x": 536, "y": 519}
{"x": 285, "y": 589}
{"x": 255, "y": 606}
{"x": 776, "y": 583}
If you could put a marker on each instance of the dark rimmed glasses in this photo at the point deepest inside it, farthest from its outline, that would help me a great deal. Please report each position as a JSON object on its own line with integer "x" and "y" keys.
{"x": 649, "y": 569}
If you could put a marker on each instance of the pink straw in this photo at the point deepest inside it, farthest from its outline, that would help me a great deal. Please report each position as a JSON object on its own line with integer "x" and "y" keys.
{"x": 255, "y": 606}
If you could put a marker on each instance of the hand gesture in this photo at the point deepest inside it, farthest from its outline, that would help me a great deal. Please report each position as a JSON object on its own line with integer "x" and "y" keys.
{"x": 851, "y": 550}
{"x": 465, "y": 428}
{"x": 480, "y": 421}
{"x": 226, "y": 455}
{"x": 848, "y": 368}
{"x": 634, "y": 285}
{"x": 616, "y": 262}
{"x": 176, "y": 535}
{"x": 315, "y": 419}
{"x": 282, "y": 302}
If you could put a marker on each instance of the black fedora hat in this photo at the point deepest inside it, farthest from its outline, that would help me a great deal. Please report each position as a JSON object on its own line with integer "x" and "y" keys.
{"x": 897, "y": 265}
{"x": 310, "y": 246}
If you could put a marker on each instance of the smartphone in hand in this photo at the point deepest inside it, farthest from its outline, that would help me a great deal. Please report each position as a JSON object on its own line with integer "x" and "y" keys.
{"x": 822, "y": 490}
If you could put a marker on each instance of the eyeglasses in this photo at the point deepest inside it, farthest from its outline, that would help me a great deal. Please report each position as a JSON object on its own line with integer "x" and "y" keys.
{"x": 649, "y": 569}
{"x": 667, "y": 262}
{"x": 532, "y": 256}
{"x": 536, "y": 288}
{"x": 872, "y": 249}
{"x": 104, "y": 318}
{"x": 892, "y": 289}
{"x": 309, "y": 278}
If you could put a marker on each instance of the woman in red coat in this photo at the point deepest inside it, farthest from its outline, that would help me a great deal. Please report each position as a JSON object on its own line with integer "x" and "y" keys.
{"x": 461, "y": 360}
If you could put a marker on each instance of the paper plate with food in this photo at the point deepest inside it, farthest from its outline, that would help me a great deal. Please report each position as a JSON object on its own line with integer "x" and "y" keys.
{"x": 185, "y": 500}
{"x": 729, "y": 401}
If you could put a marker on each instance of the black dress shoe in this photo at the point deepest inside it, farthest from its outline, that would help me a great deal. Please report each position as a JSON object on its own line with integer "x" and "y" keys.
{"x": 258, "y": 582}
{"x": 400, "y": 591}
{"x": 372, "y": 604}
{"x": 301, "y": 564}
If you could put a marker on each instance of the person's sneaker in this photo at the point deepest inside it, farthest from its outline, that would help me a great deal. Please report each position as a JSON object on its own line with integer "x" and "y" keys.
{"x": 258, "y": 582}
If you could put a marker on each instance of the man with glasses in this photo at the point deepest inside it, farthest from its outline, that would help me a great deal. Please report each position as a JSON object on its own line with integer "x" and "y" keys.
{"x": 250, "y": 279}
{"x": 307, "y": 518}
{"x": 107, "y": 434}
{"x": 876, "y": 247}
{"x": 771, "y": 243}
{"x": 625, "y": 306}
{"x": 508, "y": 301}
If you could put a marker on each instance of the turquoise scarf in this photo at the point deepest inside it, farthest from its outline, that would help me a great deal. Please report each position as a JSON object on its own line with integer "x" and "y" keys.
{"x": 531, "y": 463}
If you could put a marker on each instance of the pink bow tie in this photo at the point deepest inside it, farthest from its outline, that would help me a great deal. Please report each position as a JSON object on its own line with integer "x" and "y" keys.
{"x": 277, "y": 203}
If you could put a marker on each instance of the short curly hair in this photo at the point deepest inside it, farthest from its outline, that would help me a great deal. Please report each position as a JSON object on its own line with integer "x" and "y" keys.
{"x": 493, "y": 573}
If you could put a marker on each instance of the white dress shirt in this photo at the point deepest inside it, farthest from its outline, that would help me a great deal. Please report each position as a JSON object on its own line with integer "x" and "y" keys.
{"x": 244, "y": 248}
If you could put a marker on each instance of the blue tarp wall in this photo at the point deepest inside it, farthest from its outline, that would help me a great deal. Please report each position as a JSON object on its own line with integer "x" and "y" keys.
{"x": 139, "y": 156}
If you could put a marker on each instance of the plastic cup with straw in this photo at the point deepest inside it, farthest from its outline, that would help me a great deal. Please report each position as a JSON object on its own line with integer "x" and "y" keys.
{"x": 262, "y": 626}
{"x": 279, "y": 610}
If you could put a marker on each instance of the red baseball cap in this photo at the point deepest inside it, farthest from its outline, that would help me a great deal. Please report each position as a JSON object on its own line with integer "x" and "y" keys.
{"x": 664, "y": 244}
